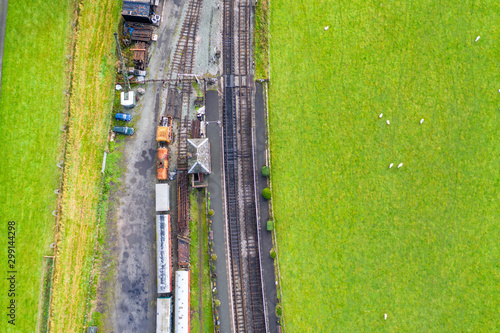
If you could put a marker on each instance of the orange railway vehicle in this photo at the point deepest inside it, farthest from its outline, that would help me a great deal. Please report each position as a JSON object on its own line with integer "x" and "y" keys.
{"x": 162, "y": 164}
{"x": 164, "y": 131}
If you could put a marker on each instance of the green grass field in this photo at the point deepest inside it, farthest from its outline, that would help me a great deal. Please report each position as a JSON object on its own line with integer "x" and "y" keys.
{"x": 32, "y": 103}
{"x": 357, "y": 239}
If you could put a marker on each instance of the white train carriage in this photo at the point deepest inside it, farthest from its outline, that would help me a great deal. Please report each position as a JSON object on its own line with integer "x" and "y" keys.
{"x": 164, "y": 315}
{"x": 182, "y": 295}
{"x": 162, "y": 197}
{"x": 163, "y": 258}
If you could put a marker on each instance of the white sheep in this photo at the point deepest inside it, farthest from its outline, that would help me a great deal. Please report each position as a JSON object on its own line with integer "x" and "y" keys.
{"x": 400, "y": 165}
{"x": 385, "y": 316}
{"x": 477, "y": 38}
{"x": 327, "y": 27}
{"x": 388, "y": 122}
{"x": 381, "y": 115}
{"x": 390, "y": 165}
{"x": 421, "y": 121}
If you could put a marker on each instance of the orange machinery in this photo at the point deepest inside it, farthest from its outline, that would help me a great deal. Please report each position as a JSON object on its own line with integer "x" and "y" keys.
{"x": 162, "y": 164}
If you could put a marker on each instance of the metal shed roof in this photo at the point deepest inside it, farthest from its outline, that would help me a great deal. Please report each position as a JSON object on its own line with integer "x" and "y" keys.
{"x": 136, "y": 8}
{"x": 162, "y": 197}
{"x": 182, "y": 301}
{"x": 163, "y": 253}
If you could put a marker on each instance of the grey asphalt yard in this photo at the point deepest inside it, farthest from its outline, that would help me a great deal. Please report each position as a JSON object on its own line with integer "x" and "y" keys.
{"x": 131, "y": 307}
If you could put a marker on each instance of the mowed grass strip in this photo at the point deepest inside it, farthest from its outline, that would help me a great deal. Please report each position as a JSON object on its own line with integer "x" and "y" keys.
{"x": 90, "y": 107}
{"x": 32, "y": 104}
{"x": 207, "y": 324}
{"x": 261, "y": 40}
{"x": 356, "y": 239}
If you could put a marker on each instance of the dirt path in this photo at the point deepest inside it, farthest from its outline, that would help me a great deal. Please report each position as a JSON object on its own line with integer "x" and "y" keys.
{"x": 200, "y": 259}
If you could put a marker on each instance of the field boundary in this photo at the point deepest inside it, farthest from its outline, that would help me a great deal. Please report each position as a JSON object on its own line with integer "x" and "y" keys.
{"x": 43, "y": 299}
{"x": 63, "y": 142}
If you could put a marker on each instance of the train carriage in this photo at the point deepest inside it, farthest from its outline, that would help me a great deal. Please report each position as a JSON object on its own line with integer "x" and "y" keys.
{"x": 164, "y": 315}
{"x": 182, "y": 295}
{"x": 163, "y": 247}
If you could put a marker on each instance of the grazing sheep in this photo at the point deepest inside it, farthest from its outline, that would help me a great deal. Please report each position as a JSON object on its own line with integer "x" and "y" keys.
{"x": 388, "y": 122}
{"x": 477, "y": 38}
{"x": 327, "y": 27}
{"x": 390, "y": 165}
{"x": 381, "y": 115}
{"x": 421, "y": 121}
{"x": 385, "y": 316}
{"x": 400, "y": 165}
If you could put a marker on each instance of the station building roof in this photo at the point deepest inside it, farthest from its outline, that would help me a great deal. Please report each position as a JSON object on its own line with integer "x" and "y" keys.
{"x": 199, "y": 156}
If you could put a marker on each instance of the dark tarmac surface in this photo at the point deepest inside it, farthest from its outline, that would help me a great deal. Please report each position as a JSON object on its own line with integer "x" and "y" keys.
{"x": 131, "y": 305}
{"x": 266, "y": 242}
{"x": 215, "y": 181}
{"x": 3, "y": 22}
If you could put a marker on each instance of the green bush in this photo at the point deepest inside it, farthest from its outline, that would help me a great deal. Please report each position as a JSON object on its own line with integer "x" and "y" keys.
{"x": 216, "y": 302}
{"x": 270, "y": 225}
{"x": 272, "y": 253}
{"x": 211, "y": 212}
{"x": 279, "y": 310}
{"x": 266, "y": 193}
{"x": 265, "y": 171}
{"x": 214, "y": 256}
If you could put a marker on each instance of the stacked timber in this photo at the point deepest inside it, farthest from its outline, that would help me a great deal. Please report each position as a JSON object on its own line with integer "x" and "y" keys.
{"x": 140, "y": 55}
{"x": 142, "y": 34}
{"x": 195, "y": 129}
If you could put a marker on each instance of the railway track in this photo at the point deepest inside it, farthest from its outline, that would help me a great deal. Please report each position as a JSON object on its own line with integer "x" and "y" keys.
{"x": 246, "y": 272}
{"x": 180, "y": 89}
{"x": 179, "y": 86}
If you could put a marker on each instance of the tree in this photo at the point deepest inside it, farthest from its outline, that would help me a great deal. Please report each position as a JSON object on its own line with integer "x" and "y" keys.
{"x": 266, "y": 193}
{"x": 211, "y": 212}
{"x": 279, "y": 310}
{"x": 214, "y": 256}
{"x": 270, "y": 225}
{"x": 265, "y": 171}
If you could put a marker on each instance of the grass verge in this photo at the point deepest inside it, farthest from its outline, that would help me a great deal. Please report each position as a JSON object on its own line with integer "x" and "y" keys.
{"x": 90, "y": 107}
{"x": 207, "y": 324}
{"x": 418, "y": 243}
{"x": 101, "y": 286}
{"x": 261, "y": 40}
